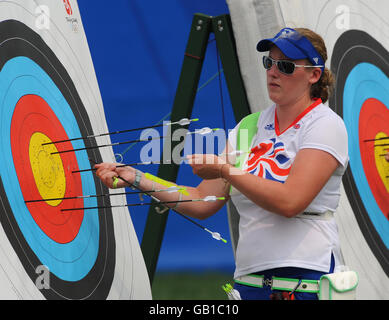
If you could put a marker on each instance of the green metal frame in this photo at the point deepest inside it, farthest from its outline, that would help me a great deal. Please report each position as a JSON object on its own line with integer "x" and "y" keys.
{"x": 202, "y": 27}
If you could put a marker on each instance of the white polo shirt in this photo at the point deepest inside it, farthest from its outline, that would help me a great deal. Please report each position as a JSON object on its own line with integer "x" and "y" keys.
{"x": 268, "y": 240}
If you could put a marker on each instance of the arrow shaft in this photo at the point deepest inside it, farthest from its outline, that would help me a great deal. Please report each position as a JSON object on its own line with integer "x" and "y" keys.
{"x": 376, "y": 139}
{"x": 117, "y": 143}
{"x": 106, "y": 145}
{"x": 116, "y": 132}
{"x": 124, "y": 165}
{"x": 382, "y": 145}
{"x": 133, "y": 204}
{"x": 157, "y": 202}
{"x": 97, "y": 196}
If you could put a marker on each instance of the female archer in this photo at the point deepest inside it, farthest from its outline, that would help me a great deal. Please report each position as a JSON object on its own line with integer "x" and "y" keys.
{"x": 286, "y": 188}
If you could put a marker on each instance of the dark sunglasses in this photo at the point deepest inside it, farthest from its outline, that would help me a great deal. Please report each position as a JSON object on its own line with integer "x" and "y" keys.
{"x": 284, "y": 66}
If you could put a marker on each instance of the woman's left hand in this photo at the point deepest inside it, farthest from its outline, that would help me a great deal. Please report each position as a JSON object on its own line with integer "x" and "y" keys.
{"x": 206, "y": 166}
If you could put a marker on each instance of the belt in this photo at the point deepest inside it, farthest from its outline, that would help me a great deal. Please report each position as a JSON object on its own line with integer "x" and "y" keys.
{"x": 277, "y": 283}
{"x": 327, "y": 215}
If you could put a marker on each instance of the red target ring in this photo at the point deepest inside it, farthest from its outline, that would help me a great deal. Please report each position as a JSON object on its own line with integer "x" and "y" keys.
{"x": 33, "y": 115}
{"x": 374, "y": 120}
{"x": 82, "y": 268}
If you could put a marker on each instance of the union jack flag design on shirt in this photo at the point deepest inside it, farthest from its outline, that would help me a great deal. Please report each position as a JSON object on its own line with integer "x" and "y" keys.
{"x": 269, "y": 160}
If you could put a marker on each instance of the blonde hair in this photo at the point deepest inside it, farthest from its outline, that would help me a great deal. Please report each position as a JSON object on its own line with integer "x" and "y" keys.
{"x": 324, "y": 87}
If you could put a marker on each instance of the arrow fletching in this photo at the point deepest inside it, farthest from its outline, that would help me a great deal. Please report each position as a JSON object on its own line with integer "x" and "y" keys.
{"x": 203, "y": 131}
{"x": 235, "y": 153}
{"x": 213, "y": 198}
{"x": 216, "y": 235}
{"x": 173, "y": 189}
{"x": 184, "y": 121}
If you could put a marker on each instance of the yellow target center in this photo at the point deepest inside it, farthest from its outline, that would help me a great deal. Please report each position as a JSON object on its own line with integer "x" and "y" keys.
{"x": 47, "y": 169}
{"x": 381, "y": 164}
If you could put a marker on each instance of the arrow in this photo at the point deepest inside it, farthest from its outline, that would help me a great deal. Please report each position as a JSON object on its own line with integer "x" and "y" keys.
{"x": 169, "y": 190}
{"x": 182, "y": 122}
{"x": 107, "y": 145}
{"x": 382, "y": 145}
{"x": 163, "y": 182}
{"x": 235, "y": 153}
{"x": 215, "y": 235}
{"x": 232, "y": 293}
{"x": 128, "y": 165}
{"x": 210, "y": 198}
{"x": 207, "y": 130}
{"x": 203, "y": 131}
{"x": 376, "y": 139}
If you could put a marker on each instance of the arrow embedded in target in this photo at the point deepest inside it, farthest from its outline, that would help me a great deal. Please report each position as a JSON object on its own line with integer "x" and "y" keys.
{"x": 128, "y": 165}
{"x": 168, "y": 190}
{"x": 182, "y": 122}
{"x": 201, "y": 131}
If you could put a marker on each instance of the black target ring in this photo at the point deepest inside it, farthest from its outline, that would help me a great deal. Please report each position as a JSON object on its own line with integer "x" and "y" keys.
{"x": 352, "y": 49}
{"x": 18, "y": 40}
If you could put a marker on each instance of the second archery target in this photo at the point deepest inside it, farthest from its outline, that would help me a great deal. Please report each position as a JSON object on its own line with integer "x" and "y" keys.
{"x": 40, "y": 104}
{"x": 362, "y": 99}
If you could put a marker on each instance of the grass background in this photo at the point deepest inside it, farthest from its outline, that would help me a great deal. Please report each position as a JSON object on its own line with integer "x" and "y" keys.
{"x": 190, "y": 286}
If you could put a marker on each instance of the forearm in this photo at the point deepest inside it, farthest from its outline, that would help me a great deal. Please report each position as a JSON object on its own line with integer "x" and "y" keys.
{"x": 197, "y": 209}
{"x": 311, "y": 170}
{"x": 270, "y": 195}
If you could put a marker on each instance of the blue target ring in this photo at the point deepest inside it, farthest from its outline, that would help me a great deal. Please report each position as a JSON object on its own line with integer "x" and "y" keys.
{"x": 361, "y": 66}
{"x": 363, "y": 82}
{"x": 21, "y": 75}
{"x": 83, "y": 266}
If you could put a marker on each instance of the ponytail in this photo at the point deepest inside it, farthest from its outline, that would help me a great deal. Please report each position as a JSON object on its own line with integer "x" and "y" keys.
{"x": 324, "y": 87}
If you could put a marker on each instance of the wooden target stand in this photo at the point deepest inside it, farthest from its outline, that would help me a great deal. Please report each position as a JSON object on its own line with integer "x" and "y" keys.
{"x": 202, "y": 27}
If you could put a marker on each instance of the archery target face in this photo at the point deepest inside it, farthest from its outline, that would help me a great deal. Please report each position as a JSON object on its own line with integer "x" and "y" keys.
{"x": 38, "y": 104}
{"x": 362, "y": 99}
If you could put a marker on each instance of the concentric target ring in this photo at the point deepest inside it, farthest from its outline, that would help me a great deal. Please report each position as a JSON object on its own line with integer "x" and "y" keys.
{"x": 42, "y": 175}
{"x": 20, "y": 45}
{"x": 361, "y": 98}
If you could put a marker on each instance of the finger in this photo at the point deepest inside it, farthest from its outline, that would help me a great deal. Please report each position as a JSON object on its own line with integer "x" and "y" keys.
{"x": 108, "y": 179}
{"x": 100, "y": 170}
{"x": 102, "y": 167}
{"x": 101, "y": 173}
{"x": 198, "y": 158}
{"x": 192, "y": 158}
{"x": 102, "y": 164}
